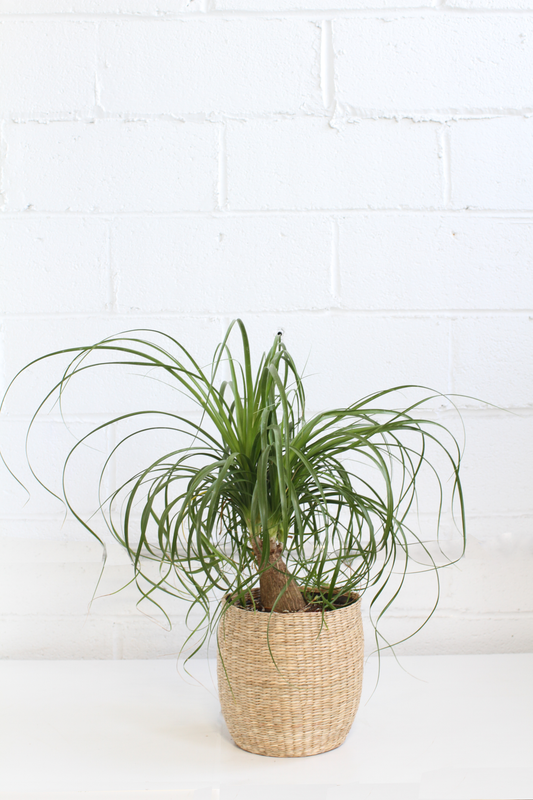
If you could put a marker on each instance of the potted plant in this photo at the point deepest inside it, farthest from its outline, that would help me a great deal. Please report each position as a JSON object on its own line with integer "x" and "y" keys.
{"x": 272, "y": 524}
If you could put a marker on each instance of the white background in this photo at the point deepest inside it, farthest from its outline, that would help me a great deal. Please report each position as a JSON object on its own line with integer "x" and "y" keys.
{"x": 356, "y": 173}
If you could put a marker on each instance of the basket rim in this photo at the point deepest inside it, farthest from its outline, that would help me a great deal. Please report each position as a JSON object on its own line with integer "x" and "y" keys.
{"x": 227, "y": 603}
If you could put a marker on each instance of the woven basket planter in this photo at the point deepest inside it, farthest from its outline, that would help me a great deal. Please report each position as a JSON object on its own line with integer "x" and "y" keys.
{"x": 305, "y": 702}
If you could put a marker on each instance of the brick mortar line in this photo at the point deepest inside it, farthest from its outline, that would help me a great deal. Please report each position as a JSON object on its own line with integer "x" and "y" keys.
{"x": 391, "y": 614}
{"x": 335, "y": 271}
{"x": 314, "y": 15}
{"x": 459, "y": 614}
{"x": 445, "y": 155}
{"x": 451, "y": 357}
{"x": 327, "y": 67}
{"x": 111, "y": 274}
{"x": 517, "y": 215}
{"x": 334, "y": 310}
{"x": 67, "y": 537}
{"x": 110, "y": 615}
{"x": 221, "y": 199}
{"x": 4, "y": 377}
{"x": 349, "y": 116}
{"x": 73, "y": 417}
{"x": 3, "y": 158}
{"x": 466, "y": 411}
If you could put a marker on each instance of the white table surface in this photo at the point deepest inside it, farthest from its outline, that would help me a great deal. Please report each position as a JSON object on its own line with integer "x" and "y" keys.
{"x": 455, "y": 727}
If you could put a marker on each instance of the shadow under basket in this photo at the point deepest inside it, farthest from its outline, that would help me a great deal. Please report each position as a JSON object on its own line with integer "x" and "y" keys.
{"x": 290, "y": 684}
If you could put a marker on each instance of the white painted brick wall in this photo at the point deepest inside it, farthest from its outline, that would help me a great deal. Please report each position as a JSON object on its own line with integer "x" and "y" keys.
{"x": 434, "y": 63}
{"x": 303, "y": 163}
{"x": 492, "y": 163}
{"x": 492, "y": 356}
{"x": 111, "y": 165}
{"x": 222, "y": 275}
{"x": 351, "y": 355}
{"x": 63, "y": 83}
{"x": 319, "y": 5}
{"x": 270, "y": 66}
{"x": 431, "y": 261}
{"x": 94, "y": 395}
{"x": 148, "y": 8}
{"x": 356, "y": 172}
{"x": 75, "y": 280}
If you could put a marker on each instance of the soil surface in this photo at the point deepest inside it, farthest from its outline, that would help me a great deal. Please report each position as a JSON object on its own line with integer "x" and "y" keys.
{"x": 341, "y": 602}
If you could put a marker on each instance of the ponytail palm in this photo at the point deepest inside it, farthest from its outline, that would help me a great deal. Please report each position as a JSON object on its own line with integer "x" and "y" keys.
{"x": 258, "y": 494}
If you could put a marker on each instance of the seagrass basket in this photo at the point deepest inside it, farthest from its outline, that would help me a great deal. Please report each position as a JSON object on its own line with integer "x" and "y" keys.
{"x": 290, "y": 684}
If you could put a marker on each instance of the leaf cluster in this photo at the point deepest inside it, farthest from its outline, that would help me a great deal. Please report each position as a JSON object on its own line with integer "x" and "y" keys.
{"x": 335, "y": 490}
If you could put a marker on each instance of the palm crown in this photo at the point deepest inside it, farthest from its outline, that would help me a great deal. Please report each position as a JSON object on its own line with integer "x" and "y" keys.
{"x": 259, "y": 493}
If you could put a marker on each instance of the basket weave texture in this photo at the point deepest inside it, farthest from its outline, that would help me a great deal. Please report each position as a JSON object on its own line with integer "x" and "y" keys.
{"x": 299, "y": 697}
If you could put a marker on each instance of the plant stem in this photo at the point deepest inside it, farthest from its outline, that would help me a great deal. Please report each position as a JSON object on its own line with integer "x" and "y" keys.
{"x": 277, "y": 587}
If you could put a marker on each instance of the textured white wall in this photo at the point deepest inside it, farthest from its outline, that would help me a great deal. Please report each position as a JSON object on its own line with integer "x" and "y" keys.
{"x": 360, "y": 177}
